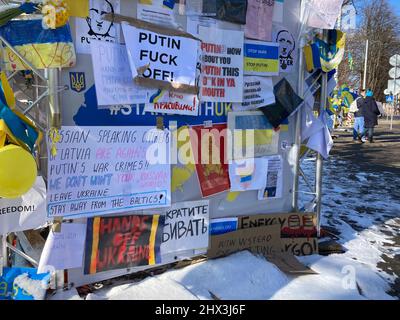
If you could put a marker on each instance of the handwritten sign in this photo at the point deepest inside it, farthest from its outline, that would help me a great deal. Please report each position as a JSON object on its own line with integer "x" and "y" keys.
{"x": 64, "y": 250}
{"x": 101, "y": 170}
{"x": 114, "y": 83}
{"x": 222, "y": 65}
{"x": 169, "y": 58}
{"x": 257, "y": 92}
{"x": 170, "y": 102}
{"x": 186, "y": 227}
{"x": 263, "y": 241}
{"x": 26, "y": 212}
{"x": 298, "y": 231}
{"x": 122, "y": 242}
{"x": 259, "y": 19}
{"x": 261, "y": 58}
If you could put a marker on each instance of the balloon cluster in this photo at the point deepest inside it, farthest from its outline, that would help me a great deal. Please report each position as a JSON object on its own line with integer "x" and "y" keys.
{"x": 55, "y": 14}
{"x": 18, "y": 139}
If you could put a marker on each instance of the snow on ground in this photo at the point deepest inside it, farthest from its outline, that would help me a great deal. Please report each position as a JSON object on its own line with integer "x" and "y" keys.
{"x": 368, "y": 223}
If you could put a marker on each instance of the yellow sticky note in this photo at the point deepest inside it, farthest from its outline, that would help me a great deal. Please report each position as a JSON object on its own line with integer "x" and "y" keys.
{"x": 78, "y": 8}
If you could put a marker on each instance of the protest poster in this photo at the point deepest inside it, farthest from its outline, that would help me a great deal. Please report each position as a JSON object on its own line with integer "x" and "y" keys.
{"x": 222, "y": 65}
{"x": 258, "y": 137}
{"x": 228, "y": 10}
{"x": 165, "y": 58}
{"x": 257, "y": 92}
{"x": 274, "y": 182}
{"x": 209, "y": 150}
{"x": 101, "y": 170}
{"x": 122, "y": 242}
{"x": 223, "y": 225}
{"x": 298, "y": 231}
{"x": 24, "y": 213}
{"x": 63, "y": 250}
{"x": 322, "y": 14}
{"x": 171, "y": 102}
{"x": 186, "y": 227}
{"x": 261, "y": 58}
{"x": 157, "y": 15}
{"x": 95, "y": 27}
{"x": 278, "y": 11}
{"x": 248, "y": 174}
{"x": 259, "y": 19}
{"x": 114, "y": 83}
{"x": 197, "y": 8}
{"x": 287, "y": 49}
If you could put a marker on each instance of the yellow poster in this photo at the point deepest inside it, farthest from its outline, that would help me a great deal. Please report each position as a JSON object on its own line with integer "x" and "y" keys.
{"x": 78, "y": 8}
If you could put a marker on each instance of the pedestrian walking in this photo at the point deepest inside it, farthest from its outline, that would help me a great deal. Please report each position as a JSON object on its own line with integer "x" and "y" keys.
{"x": 357, "y": 108}
{"x": 371, "y": 112}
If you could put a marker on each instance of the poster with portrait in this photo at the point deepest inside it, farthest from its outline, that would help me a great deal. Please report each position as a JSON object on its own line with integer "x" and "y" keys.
{"x": 287, "y": 48}
{"x": 95, "y": 27}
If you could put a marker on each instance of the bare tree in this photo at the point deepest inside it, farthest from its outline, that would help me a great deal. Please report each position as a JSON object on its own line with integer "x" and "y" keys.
{"x": 380, "y": 25}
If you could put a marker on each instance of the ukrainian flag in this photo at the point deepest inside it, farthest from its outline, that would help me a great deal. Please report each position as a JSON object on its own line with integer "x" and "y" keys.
{"x": 43, "y": 48}
{"x": 326, "y": 55}
{"x": 332, "y": 53}
{"x": 312, "y": 57}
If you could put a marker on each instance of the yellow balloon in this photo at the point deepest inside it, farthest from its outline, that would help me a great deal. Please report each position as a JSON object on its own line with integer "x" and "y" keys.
{"x": 18, "y": 171}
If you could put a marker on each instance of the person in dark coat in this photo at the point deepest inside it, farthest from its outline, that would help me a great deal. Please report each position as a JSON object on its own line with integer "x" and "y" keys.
{"x": 371, "y": 112}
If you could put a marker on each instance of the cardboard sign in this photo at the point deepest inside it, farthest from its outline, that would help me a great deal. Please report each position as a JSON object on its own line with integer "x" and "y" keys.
{"x": 261, "y": 58}
{"x": 114, "y": 84}
{"x": 298, "y": 231}
{"x": 208, "y": 146}
{"x": 165, "y": 58}
{"x": 169, "y": 102}
{"x": 101, "y": 170}
{"x": 122, "y": 242}
{"x": 64, "y": 250}
{"x": 263, "y": 240}
{"x": 26, "y": 212}
{"x": 257, "y": 92}
{"x": 95, "y": 27}
{"x": 259, "y": 20}
{"x": 222, "y": 65}
{"x": 186, "y": 227}
{"x": 269, "y": 235}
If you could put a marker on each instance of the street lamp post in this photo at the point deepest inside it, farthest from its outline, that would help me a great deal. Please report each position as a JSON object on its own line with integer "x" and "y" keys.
{"x": 365, "y": 65}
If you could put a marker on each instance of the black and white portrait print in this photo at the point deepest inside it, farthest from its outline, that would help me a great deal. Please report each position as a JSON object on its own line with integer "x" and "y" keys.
{"x": 287, "y": 47}
{"x": 94, "y": 27}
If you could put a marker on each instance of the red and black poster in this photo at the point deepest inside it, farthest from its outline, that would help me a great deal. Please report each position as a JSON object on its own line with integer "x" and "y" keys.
{"x": 122, "y": 242}
{"x": 209, "y": 150}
